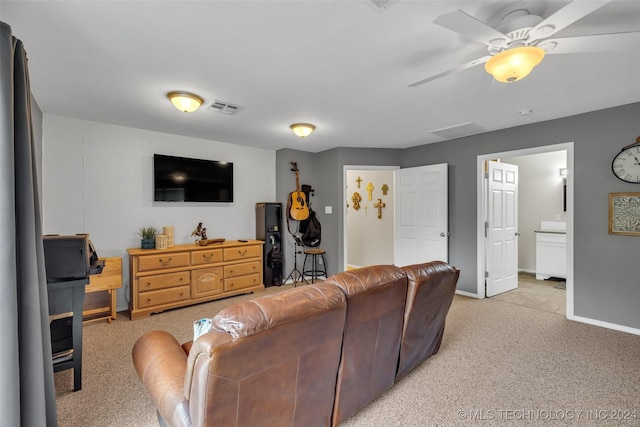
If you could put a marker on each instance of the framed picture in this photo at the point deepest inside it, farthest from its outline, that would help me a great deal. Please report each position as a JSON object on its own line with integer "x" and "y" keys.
{"x": 624, "y": 213}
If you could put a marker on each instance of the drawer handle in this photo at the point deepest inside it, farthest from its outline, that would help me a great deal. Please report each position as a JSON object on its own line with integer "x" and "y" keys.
{"x": 230, "y": 271}
{"x": 148, "y": 299}
{"x": 164, "y": 262}
{"x": 242, "y": 252}
{"x": 148, "y": 284}
{"x": 207, "y": 256}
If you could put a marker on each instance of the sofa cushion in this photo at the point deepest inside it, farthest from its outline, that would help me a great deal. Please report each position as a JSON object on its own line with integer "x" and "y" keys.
{"x": 371, "y": 345}
{"x": 277, "y": 364}
{"x": 431, "y": 288}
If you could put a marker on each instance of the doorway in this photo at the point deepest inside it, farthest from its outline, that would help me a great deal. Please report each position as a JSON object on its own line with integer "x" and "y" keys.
{"x": 414, "y": 227}
{"x": 367, "y": 239}
{"x": 568, "y": 199}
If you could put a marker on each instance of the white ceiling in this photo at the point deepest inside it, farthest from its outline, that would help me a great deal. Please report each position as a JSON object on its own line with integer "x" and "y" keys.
{"x": 340, "y": 65}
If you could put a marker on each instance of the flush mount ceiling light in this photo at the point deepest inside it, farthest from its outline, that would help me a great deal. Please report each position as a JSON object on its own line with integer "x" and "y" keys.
{"x": 514, "y": 64}
{"x": 302, "y": 129}
{"x": 185, "y": 101}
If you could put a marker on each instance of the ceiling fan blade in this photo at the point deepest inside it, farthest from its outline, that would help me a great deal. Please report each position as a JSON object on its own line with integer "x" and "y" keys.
{"x": 468, "y": 26}
{"x": 592, "y": 43}
{"x": 451, "y": 71}
{"x": 564, "y": 17}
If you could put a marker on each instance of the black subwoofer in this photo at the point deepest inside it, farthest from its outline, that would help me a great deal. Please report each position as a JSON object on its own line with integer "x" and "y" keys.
{"x": 269, "y": 229}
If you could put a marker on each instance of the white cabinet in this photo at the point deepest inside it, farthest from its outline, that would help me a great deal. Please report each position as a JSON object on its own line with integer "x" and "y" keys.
{"x": 551, "y": 254}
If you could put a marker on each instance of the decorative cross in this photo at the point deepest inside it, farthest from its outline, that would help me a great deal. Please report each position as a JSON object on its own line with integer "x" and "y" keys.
{"x": 385, "y": 188}
{"x": 379, "y": 205}
{"x": 359, "y": 180}
{"x": 356, "y": 198}
{"x": 370, "y": 190}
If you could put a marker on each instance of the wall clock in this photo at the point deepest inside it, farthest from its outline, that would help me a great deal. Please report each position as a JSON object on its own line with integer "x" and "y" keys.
{"x": 626, "y": 164}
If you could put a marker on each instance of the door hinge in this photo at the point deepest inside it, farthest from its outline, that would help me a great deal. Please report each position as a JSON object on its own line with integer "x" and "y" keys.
{"x": 486, "y": 228}
{"x": 486, "y": 274}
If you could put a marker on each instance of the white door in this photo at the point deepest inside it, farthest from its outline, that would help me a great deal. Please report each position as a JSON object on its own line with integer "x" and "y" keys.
{"x": 501, "y": 228}
{"x": 421, "y": 215}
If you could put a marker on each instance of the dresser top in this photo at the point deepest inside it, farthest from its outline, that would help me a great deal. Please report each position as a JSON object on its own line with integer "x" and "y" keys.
{"x": 194, "y": 247}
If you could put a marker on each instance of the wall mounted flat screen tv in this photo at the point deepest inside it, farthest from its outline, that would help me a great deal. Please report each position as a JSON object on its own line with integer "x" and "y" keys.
{"x": 181, "y": 179}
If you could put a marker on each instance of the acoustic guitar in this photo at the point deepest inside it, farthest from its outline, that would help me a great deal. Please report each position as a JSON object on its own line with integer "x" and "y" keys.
{"x": 299, "y": 209}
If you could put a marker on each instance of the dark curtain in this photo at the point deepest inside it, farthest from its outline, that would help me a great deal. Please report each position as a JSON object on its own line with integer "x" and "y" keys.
{"x": 27, "y": 391}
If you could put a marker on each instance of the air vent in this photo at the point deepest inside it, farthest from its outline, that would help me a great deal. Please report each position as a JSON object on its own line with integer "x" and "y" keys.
{"x": 223, "y": 107}
{"x": 381, "y": 5}
{"x": 458, "y": 131}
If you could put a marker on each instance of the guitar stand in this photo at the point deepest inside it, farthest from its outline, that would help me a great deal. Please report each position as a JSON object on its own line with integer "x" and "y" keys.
{"x": 296, "y": 275}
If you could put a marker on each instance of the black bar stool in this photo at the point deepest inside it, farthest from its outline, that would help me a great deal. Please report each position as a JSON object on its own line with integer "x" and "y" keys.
{"x": 317, "y": 269}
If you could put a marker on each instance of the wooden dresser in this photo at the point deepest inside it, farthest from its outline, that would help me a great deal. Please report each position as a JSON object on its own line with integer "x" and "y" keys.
{"x": 188, "y": 274}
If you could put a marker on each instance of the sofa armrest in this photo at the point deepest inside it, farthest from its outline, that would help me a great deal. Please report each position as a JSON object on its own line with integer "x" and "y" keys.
{"x": 161, "y": 363}
{"x": 205, "y": 346}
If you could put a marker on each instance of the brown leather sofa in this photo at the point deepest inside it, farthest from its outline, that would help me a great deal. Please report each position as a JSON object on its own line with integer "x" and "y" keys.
{"x": 308, "y": 356}
{"x": 429, "y": 297}
{"x": 373, "y": 330}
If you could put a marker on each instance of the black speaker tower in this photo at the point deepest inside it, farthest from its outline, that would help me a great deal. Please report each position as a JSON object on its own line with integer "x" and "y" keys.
{"x": 269, "y": 229}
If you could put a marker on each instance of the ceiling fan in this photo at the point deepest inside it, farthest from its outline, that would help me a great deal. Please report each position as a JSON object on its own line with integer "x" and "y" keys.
{"x": 521, "y": 39}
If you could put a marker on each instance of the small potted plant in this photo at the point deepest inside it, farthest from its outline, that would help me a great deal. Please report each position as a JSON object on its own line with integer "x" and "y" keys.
{"x": 148, "y": 235}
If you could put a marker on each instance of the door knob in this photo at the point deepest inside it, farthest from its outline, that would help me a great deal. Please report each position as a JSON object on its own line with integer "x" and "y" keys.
{"x": 517, "y": 234}
{"x": 443, "y": 234}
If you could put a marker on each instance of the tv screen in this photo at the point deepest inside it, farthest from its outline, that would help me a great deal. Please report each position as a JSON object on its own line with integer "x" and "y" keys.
{"x": 180, "y": 179}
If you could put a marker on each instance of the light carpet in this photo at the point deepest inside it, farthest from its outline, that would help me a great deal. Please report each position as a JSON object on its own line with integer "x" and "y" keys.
{"x": 499, "y": 364}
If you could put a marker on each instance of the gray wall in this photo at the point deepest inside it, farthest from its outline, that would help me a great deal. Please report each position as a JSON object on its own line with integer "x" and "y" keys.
{"x": 606, "y": 285}
{"x": 324, "y": 172}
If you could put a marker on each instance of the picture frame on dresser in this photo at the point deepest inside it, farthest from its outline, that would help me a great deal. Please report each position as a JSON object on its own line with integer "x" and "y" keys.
{"x": 624, "y": 213}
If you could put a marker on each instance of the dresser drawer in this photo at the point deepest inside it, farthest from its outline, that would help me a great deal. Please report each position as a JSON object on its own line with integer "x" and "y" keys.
{"x": 163, "y": 281}
{"x": 242, "y": 252}
{"x": 551, "y": 238}
{"x": 242, "y": 282}
{"x": 206, "y": 281}
{"x": 158, "y": 262}
{"x": 206, "y": 257}
{"x": 164, "y": 296}
{"x": 241, "y": 269}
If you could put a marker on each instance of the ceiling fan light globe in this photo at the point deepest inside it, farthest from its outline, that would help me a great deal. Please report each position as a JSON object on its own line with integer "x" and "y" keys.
{"x": 514, "y": 64}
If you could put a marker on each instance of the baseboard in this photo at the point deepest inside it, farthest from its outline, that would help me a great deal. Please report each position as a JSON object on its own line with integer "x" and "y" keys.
{"x": 606, "y": 325}
{"x": 468, "y": 294}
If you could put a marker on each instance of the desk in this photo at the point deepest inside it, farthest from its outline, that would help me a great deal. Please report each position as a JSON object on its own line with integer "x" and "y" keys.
{"x": 100, "y": 297}
{"x": 65, "y": 320}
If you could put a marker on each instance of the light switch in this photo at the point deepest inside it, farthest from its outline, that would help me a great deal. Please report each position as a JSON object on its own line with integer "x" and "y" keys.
{"x": 328, "y": 209}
